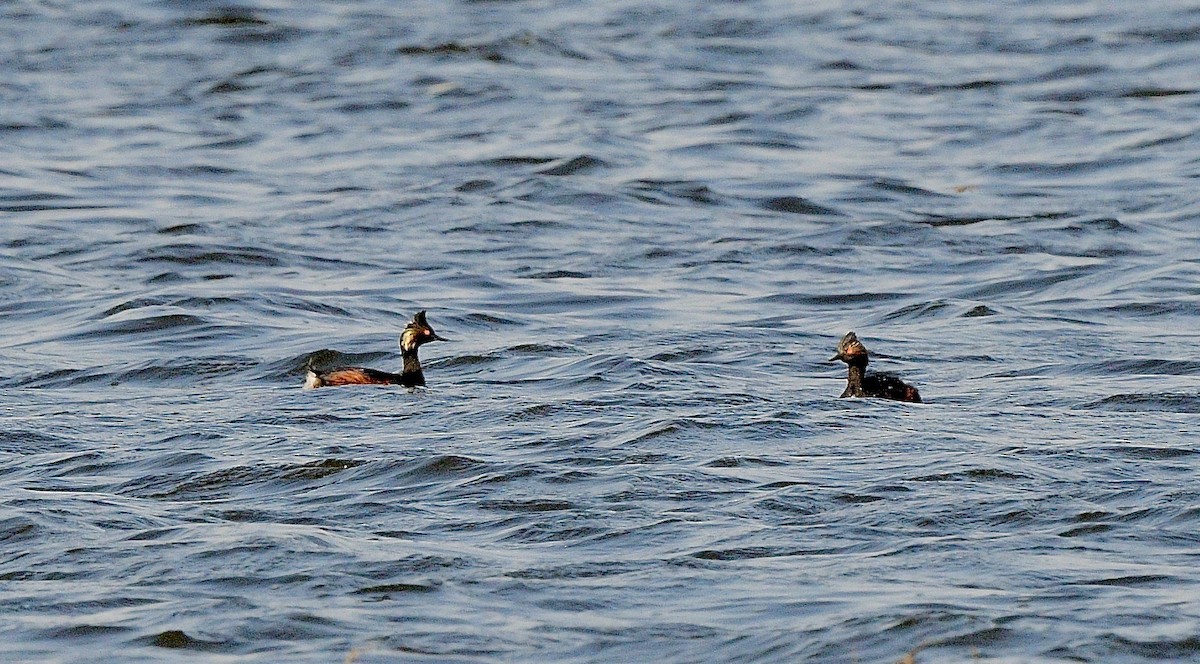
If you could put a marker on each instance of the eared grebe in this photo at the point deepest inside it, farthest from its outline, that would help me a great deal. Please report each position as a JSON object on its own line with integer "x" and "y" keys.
{"x": 859, "y": 383}
{"x": 415, "y": 333}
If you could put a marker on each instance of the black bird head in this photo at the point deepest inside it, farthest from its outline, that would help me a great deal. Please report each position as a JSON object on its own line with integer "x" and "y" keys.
{"x": 417, "y": 332}
{"x": 850, "y": 350}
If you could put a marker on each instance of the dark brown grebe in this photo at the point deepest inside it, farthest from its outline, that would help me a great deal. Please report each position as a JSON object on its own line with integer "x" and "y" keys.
{"x": 859, "y": 383}
{"x": 415, "y": 333}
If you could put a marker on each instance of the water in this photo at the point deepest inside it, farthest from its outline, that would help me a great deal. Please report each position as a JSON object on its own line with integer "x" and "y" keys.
{"x": 645, "y": 228}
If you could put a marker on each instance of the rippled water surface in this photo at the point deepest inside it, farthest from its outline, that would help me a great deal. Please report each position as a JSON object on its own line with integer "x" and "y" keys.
{"x": 644, "y": 226}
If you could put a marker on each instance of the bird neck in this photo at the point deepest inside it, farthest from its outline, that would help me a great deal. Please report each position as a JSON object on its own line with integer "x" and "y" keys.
{"x": 412, "y": 366}
{"x": 854, "y": 379}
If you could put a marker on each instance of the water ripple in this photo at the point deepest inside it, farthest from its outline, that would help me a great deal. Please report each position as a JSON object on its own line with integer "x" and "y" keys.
{"x": 644, "y": 228}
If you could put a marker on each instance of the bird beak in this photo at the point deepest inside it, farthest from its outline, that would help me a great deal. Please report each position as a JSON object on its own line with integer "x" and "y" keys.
{"x": 835, "y": 357}
{"x": 435, "y": 337}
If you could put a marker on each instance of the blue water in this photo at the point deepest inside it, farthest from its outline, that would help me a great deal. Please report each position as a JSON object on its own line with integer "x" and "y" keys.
{"x": 645, "y": 227}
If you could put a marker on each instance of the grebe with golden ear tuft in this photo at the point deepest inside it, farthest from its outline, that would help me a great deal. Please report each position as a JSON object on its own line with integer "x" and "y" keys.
{"x": 415, "y": 334}
{"x": 859, "y": 383}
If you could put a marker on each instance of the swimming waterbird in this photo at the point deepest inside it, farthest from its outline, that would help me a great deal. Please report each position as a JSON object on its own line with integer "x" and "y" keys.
{"x": 859, "y": 383}
{"x": 415, "y": 334}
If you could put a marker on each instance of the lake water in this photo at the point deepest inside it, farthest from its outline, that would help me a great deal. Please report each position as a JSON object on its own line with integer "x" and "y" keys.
{"x": 644, "y": 226}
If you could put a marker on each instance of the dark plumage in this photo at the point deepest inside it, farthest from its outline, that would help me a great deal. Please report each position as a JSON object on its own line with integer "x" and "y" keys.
{"x": 415, "y": 334}
{"x": 859, "y": 383}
